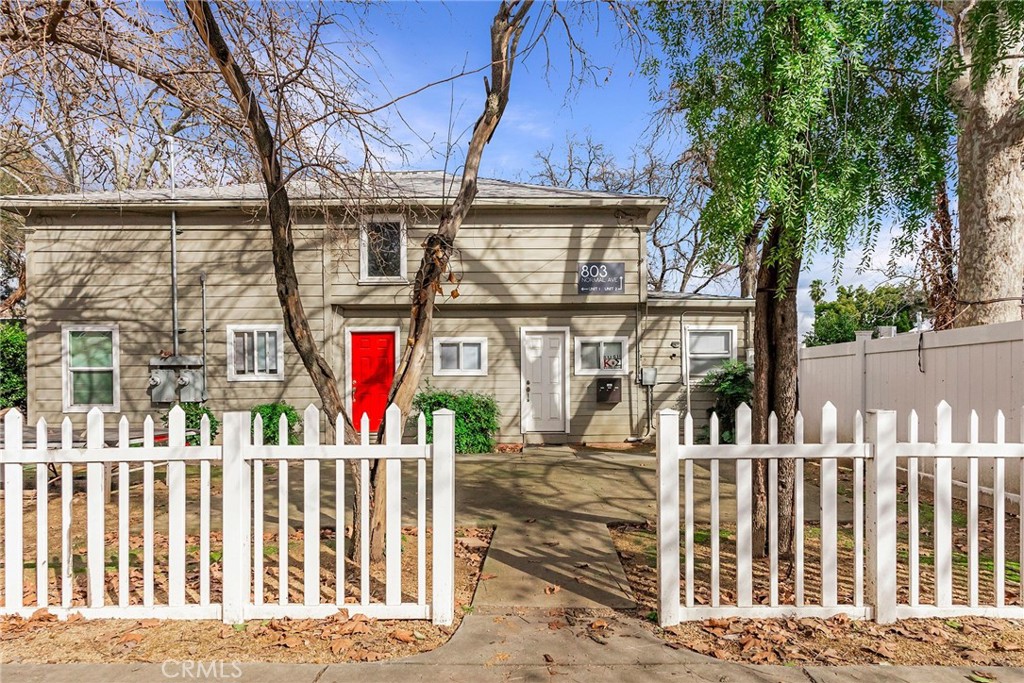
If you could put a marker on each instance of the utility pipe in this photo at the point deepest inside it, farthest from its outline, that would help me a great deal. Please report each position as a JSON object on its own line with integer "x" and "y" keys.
{"x": 174, "y": 255}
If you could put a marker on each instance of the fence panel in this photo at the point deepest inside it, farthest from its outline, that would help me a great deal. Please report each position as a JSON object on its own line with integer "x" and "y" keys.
{"x": 166, "y": 572}
{"x": 870, "y": 563}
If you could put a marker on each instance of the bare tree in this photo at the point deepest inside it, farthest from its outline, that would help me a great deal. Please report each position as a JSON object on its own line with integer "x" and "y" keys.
{"x": 676, "y": 240}
{"x": 294, "y": 104}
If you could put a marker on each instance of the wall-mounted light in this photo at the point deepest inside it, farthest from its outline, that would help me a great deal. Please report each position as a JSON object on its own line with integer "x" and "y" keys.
{"x": 674, "y": 345}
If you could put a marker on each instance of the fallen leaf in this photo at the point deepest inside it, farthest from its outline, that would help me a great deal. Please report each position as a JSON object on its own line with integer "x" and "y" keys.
{"x": 403, "y": 636}
{"x": 488, "y": 577}
{"x": 339, "y": 645}
{"x": 291, "y": 642}
{"x": 148, "y": 623}
{"x": 551, "y": 544}
{"x": 130, "y": 637}
{"x": 549, "y": 659}
{"x": 556, "y": 625}
{"x": 979, "y": 677}
{"x": 599, "y": 624}
{"x": 42, "y": 614}
{"x": 531, "y": 521}
{"x": 551, "y": 589}
{"x": 581, "y": 565}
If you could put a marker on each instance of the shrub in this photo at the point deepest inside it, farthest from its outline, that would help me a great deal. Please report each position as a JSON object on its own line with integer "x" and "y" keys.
{"x": 13, "y": 366}
{"x": 193, "y": 421}
{"x": 271, "y": 414}
{"x": 732, "y": 385}
{"x": 476, "y": 417}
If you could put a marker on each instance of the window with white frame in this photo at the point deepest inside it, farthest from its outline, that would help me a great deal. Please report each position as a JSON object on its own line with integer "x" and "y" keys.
{"x": 382, "y": 250}
{"x": 602, "y": 355}
{"x": 256, "y": 353}
{"x": 709, "y": 347}
{"x": 91, "y": 367}
{"x": 460, "y": 356}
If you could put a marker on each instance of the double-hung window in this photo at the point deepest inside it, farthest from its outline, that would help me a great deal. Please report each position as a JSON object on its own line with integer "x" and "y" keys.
{"x": 256, "y": 353}
{"x": 382, "y": 250}
{"x": 709, "y": 347}
{"x": 460, "y": 356}
{"x": 91, "y": 368}
{"x": 602, "y": 355}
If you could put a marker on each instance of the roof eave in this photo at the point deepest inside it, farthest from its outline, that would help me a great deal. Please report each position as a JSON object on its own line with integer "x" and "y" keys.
{"x": 654, "y": 204}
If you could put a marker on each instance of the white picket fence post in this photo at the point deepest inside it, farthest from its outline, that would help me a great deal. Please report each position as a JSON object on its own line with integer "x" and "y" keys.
{"x": 668, "y": 518}
{"x": 237, "y": 517}
{"x": 443, "y": 519}
{"x": 881, "y": 515}
{"x": 13, "y": 544}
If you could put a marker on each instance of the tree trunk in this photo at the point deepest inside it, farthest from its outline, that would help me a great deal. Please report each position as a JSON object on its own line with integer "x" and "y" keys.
{"x": 990, "y": 151}
{"x": 437, "y": 249}
{"x": 938, "y": 264}
{"x": 775, "y": 388}
{"x": 748, "y": 258}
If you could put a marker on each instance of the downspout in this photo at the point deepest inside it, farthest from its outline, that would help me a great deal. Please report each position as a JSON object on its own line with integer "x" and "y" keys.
{"x": 174, "y": 256}
{"x": 639, "y": 331}
{"x": 202, "y": 282}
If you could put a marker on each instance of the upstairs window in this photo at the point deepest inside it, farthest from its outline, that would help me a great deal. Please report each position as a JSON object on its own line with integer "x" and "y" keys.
{"x": 382, "y": 253}
{"x": 256, "y": 353}
{"x": 709, "y": 347}
{"x": 602, "y": 355}
{"x": 91, "y": 368}
{"x": 460, "y": 356}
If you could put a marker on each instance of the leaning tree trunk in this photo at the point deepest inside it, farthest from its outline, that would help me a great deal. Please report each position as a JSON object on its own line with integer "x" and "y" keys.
{"x": 437, "y": 249}
{"x": 775, "y": 387}
{"x": 990, "y": 151}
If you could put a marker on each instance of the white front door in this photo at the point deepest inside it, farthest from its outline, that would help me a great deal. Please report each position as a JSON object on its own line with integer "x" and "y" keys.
{"x": 543, "y": 381}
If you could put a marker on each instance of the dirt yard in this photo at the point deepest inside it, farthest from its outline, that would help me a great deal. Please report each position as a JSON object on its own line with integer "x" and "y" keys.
{"x": 840, "y": 640}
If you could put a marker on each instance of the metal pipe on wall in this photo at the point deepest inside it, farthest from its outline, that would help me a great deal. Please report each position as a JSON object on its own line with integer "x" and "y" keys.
{"x": 174, "y": 254}
{"x": 202, "y": 282}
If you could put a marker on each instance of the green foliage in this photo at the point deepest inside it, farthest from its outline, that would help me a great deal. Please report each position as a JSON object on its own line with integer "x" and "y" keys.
{"x": 271, "y": 414}
{"x": 13, "y": 366}
{"x": 193, "y": 421}
{"x": 476, "y": 417}
{"x": 732, "y": 385}
{"x": 861, "y": 309}
{"x": 817, "y": 113}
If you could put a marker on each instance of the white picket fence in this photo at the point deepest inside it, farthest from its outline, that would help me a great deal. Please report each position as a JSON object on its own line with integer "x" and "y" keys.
{"x": 241, "y": 460}
{"x": 876, "y": 590}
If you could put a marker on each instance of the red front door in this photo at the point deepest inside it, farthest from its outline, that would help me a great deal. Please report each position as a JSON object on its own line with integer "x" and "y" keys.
{"x": 372, "y": 369}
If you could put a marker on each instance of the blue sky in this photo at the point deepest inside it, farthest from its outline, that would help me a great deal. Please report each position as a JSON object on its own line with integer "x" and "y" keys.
{"x": 423, "y": 42}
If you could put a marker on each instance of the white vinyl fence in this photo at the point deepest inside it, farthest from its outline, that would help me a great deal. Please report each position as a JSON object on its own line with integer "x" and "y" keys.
{"x": 185, "y": 566}
{"x": 975, "y": 368}
{"x": 877, "y": 573}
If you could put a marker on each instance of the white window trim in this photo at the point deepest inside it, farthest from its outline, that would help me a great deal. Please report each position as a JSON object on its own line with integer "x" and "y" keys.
{"x": 256, "y": 376}
{"x": 607, "y": 372}
{"x": 440, "y": 372}
{"x": 364, "y": 276}
{"x": 65, "y": 364}
{"x": 709, "y": 328}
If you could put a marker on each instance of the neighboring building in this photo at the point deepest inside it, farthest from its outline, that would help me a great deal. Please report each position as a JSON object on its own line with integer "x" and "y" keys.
{"x": 553, "y": 315}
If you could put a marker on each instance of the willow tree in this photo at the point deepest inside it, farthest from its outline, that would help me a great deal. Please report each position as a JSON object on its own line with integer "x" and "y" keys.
{"x": 823, "y": 129}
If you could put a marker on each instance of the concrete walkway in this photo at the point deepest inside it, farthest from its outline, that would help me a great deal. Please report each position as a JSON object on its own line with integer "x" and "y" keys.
{"x": 550, "y": 508}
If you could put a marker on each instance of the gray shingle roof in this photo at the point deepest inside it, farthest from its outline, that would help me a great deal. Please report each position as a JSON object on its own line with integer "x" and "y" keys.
{"x": 425, "y": 187}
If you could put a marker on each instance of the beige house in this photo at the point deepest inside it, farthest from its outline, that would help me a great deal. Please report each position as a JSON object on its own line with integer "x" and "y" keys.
{"x": 552, "y": 317}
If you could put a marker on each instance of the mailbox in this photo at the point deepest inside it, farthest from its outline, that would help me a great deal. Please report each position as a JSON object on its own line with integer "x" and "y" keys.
{"x": 609, "y": 390}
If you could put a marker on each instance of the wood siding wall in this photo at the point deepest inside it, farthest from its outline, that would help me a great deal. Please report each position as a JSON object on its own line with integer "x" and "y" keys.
{"x": 107, "y": 269}
{"x": 526, "y": 256}
{"x": 518, "y": 269}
